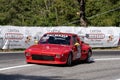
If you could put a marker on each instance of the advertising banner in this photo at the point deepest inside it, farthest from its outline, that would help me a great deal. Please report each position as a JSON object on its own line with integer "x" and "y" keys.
{"x": 101, "y": 37}
{"x": 118, "y": 30}
{"x": 12, "y": 37}
{"x": 22, "y": 37}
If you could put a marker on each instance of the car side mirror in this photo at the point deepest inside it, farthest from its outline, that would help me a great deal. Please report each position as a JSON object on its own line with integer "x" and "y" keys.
{"x": 77, "y": 44}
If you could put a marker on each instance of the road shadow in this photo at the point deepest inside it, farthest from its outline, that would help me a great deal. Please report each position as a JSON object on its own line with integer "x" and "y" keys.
{"x": 27, "y": 77}
{"x": 75, "y": 63}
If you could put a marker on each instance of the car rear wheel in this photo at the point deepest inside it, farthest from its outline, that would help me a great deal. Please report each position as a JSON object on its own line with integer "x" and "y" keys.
{"x": 69, "y": 60}
{"x": 88, "y": 57}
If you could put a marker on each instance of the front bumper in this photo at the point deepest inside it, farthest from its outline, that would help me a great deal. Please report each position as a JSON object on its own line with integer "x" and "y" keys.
{"x": 45, "y": 62}
{"x": 45, "y": 59}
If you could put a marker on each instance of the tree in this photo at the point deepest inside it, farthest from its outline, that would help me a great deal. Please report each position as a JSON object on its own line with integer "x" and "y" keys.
{"x": 59, "y": 12}
{"x": 83, "y": 20}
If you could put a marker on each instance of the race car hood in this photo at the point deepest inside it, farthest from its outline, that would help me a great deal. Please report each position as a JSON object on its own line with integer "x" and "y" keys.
{"x": 49, "y": 48}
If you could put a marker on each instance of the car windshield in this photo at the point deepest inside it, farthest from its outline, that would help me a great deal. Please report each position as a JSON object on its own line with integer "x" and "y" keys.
{"x": 55, "y": 39}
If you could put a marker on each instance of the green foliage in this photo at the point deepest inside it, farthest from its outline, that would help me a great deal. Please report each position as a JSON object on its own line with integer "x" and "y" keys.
{"x": 103, "y": 12}
{"x": 58, "y": 12}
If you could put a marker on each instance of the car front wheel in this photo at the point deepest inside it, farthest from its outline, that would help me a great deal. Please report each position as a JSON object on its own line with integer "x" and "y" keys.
{"x": 69, "y": 60}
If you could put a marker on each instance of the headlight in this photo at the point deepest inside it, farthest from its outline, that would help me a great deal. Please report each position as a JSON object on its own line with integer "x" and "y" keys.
{"x": 27, "y": 54}
{"x": 57, "y": 55}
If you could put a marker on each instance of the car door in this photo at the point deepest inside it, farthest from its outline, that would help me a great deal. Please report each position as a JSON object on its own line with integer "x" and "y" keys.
{"x": 77, "y": 47}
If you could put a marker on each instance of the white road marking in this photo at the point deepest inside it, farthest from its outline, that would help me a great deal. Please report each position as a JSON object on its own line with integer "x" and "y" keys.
{"x": 27, "y": 65}
{"x": 117, "y": 79}
{"x": 106, "y": 59}
{"x": 20, "y": 66}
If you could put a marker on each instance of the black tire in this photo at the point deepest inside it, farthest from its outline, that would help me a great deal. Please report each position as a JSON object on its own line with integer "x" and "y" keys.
{"x": 29, "y": 63}
{"x": 69, "y": 60}
{"x": 87, "y": 60}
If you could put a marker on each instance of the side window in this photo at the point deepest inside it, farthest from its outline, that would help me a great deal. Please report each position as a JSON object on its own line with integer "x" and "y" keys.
{"x": 74, "y": 39}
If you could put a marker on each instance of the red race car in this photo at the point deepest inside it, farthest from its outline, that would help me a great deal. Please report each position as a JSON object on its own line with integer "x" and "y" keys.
{"x": 58, "y": 48}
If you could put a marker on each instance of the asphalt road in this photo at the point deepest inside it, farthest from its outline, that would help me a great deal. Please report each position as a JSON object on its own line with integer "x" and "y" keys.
{"x": 106, "y": 66}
